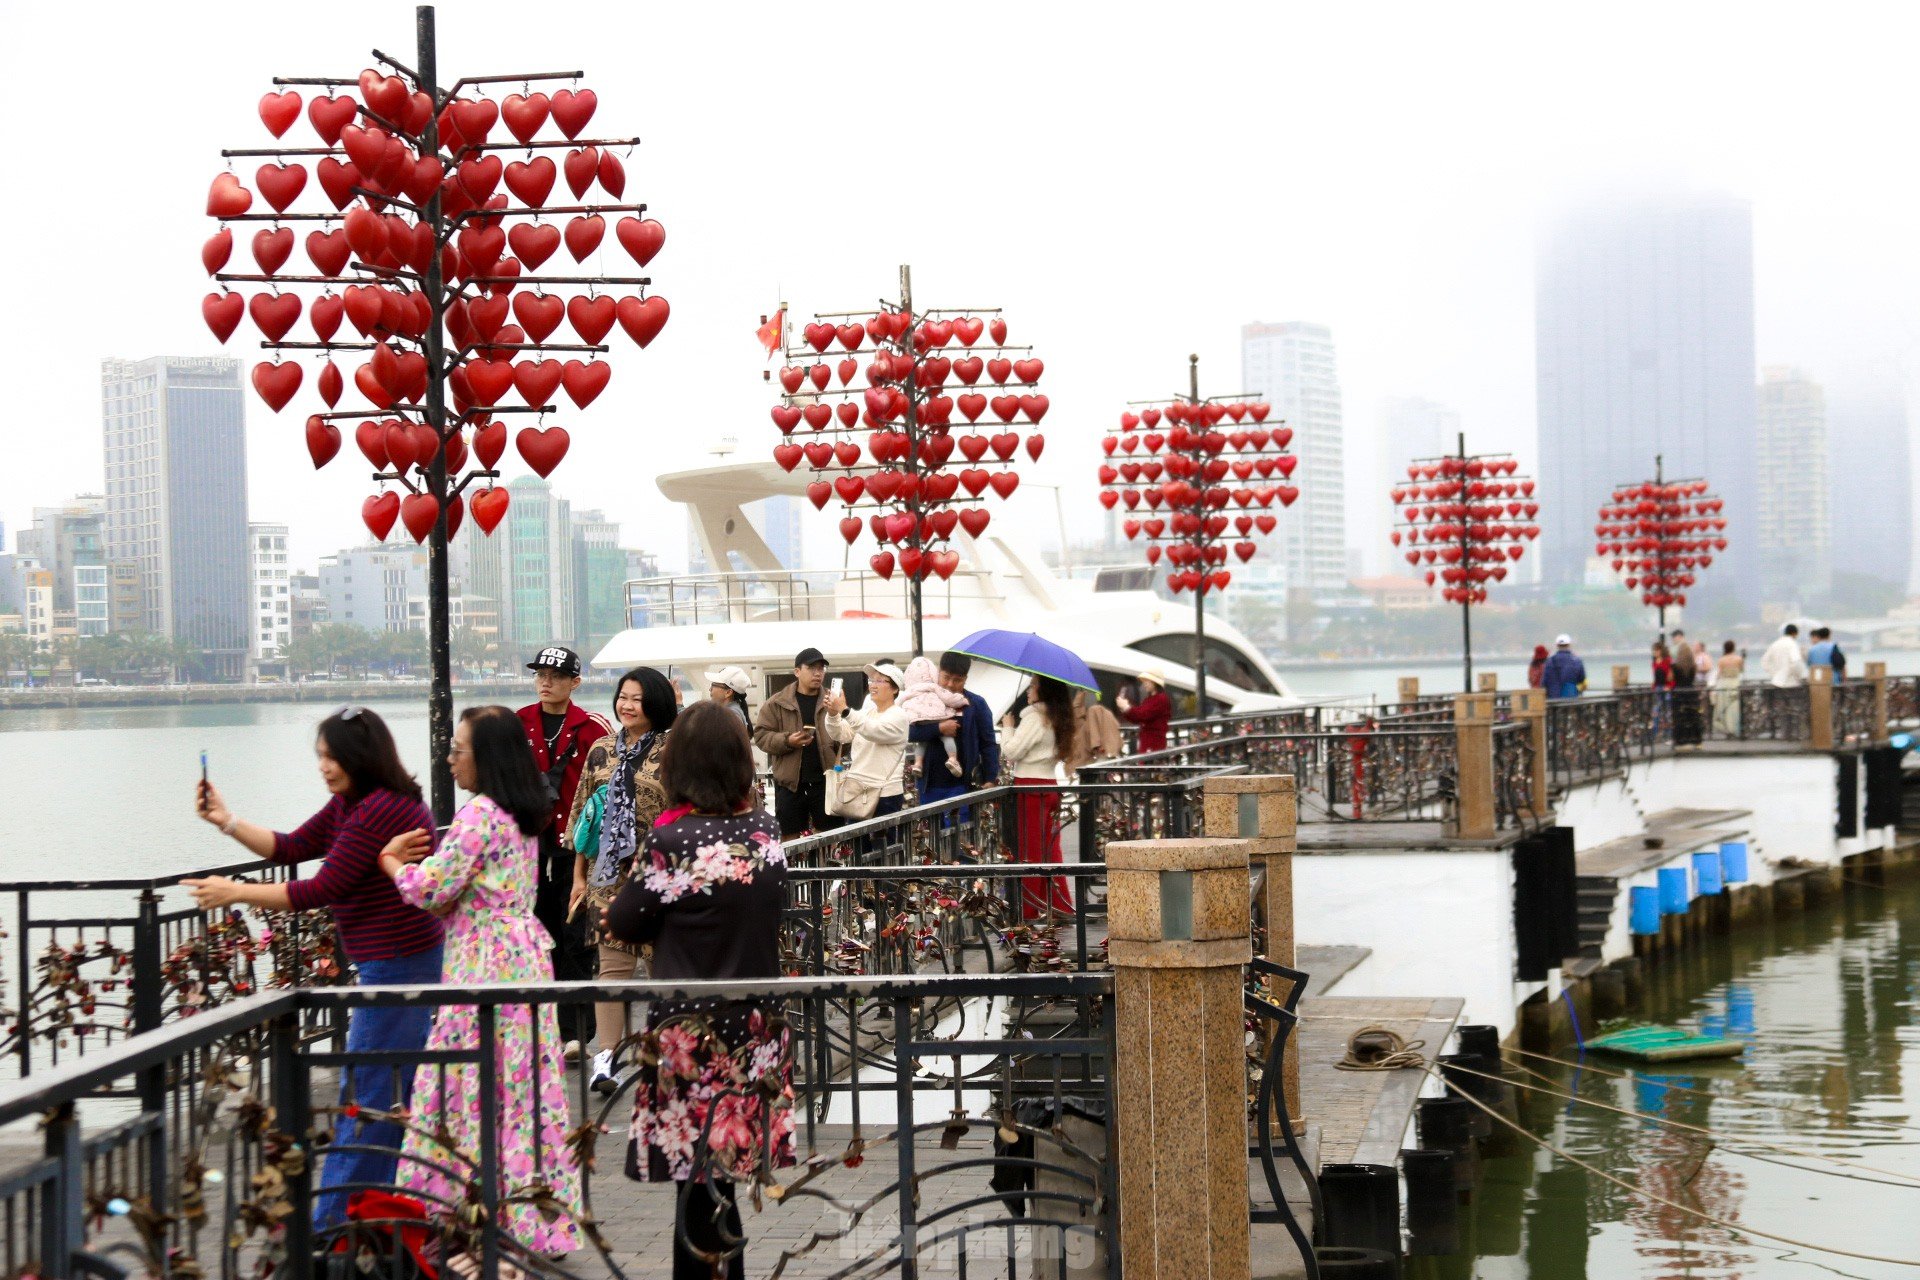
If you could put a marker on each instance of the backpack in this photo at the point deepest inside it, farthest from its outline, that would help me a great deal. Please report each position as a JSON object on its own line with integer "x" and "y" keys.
{"x": 586, "y": 827}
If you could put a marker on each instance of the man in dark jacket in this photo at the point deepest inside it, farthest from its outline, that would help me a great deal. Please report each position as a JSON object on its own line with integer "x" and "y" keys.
{"x": 972, "y": 732}
{"x": 1565, "y": 675}
{"x": 787, "y": 729}
{"x": 560, "y": 734}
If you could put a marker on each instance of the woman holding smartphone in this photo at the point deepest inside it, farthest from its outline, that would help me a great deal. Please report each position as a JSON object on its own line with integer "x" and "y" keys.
{"x": 390, "y": 943}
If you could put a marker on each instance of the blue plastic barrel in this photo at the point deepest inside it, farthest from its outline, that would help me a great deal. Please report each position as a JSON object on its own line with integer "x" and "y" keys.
{"x": 1643, "y": 910}
{"x": 1706, "y": 872}
{"x": 1733, "y": 861}
{"x": 1673, "y": 891}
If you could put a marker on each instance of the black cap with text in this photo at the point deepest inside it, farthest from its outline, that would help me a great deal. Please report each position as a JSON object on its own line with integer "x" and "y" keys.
{"x": 555, "y": 658}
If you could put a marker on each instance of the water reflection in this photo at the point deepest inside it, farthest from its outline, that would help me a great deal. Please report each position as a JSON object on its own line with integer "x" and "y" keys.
{"x": 1825, "y": 1002}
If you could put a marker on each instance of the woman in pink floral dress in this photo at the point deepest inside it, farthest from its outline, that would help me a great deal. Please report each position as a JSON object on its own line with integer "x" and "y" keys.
{"x": 713, "y": 1102}
{"x": 481, "y": 882}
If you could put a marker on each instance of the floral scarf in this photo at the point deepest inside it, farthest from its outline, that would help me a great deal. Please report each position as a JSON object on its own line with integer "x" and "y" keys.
{"x": 619, "y": 828}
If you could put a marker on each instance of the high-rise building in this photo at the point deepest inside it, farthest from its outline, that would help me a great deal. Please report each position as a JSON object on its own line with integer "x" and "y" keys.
{"x": 272, "y": 593}
{"x": 599, "y": 581}
{"x": 1291, "y": 365}
{"x": 539, "y": 564}
{"x": 126, "y": 610}
{"x": 370, "y": 586}
{"x": 176, "y": 469}
{"x": 1643, "y": 346}
{"x": 65, "y": 539}
{"x": 1410, "y": 427}
{"x": 1791, "y": 527}
{"x": 36, "y": 596}
{"x": 779, "y": 521}
{"x": 309, "y": 606}
{"x": 479, "y": 561}
{"x": 1870, "y": 474}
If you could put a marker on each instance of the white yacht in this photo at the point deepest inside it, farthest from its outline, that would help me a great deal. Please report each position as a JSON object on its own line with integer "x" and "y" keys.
{"x": 758, "y": 617}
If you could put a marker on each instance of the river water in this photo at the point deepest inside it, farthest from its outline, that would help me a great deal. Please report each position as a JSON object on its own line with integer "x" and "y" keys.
{"x": 1825, "y": 1002}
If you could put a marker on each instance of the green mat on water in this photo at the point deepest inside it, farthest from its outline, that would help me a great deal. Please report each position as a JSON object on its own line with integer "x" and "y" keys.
{"x": 1664, "y": 1044}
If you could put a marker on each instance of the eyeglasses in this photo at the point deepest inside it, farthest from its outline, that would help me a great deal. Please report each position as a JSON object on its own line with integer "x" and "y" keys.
{"x": 460, "y": 751}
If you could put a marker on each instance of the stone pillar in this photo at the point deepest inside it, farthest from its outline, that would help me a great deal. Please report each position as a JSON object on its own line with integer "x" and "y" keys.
{"x": 1489, "y": 682}
{"x": 1178, "y": 939}
{"x": 1530, "y": 708}
{"x": 1409, "y": 688}
{"x": 1473, "y": 745}
{"x": 1877, "y": 677}
{"x": 1262, "y": 810}
{"x": 1622, "y": 677}
{"x": 1820, "y": 708}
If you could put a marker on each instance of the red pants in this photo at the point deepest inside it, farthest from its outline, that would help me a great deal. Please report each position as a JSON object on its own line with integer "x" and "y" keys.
{"x": 1039, "y": 841}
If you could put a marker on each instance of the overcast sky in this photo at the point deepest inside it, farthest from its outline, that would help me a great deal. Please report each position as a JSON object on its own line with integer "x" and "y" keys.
{"x": 1130, "y": 182}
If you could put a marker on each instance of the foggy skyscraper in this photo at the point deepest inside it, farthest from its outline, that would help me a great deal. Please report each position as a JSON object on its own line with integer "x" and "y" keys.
{"x": 1643, "y": 345}
{"x": 1871, "y": 477}
{"x": 176, "y": 462}
{"x": 1292, "y": 366}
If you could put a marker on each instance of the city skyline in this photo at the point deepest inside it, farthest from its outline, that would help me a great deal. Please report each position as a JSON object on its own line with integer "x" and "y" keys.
{"x": 1414, "y": 249}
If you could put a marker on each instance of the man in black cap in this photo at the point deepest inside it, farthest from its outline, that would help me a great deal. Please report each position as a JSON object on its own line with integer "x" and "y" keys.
{"x": 787, "y": 730}
{"x": 560, "y": 733}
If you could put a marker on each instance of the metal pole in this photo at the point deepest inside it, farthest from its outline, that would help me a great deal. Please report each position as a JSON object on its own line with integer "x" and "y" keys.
{"x": 1466, "y": 601}
{"x": 918, "y": 506}
{"x": 1199, "y": 597}
{"x": 439, "y": 641}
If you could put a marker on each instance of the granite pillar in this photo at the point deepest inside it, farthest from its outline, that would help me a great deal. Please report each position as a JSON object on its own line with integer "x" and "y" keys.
{"x": 1261, "y": 809}
{"x": 1178, "y": 939}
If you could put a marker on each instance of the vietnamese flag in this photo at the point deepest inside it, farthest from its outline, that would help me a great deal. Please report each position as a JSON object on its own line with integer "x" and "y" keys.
{"x": 771, "y": 331}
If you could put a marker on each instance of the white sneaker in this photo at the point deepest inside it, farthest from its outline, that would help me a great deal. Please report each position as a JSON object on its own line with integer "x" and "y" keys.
{"x": 572, "y": 1051}
{"x": 603, "y": 1081}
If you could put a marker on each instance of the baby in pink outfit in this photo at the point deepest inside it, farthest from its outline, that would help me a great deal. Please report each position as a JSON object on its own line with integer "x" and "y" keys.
{"x": 925, "y": 701}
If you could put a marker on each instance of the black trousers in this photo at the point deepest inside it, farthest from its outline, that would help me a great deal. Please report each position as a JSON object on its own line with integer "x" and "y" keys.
{"x": 804, "y": 809}
{"x": 710, "y": 1218}
{"x": 573, "y": 959}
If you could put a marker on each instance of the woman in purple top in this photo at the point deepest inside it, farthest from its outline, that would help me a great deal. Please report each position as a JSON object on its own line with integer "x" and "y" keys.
{"x": 389, "y": 942}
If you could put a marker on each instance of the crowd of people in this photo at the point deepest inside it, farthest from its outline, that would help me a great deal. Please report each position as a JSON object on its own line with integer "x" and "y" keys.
{"x": 1699, "y": 692}
{"x": 636, "y": 847}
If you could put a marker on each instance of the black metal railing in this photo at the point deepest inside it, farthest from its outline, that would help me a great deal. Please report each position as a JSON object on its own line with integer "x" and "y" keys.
{"x": 1514, "y": 803}
{"x": 1360, "y": 773}
{"x": 96, "y": 961}
{"x": 218, "y": 1178}
{"x": 1903, "y": 700}
{"x": 1853, "y": 712}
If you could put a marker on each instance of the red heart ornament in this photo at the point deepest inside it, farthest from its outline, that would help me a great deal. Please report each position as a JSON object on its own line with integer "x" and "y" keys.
{"x": 592, "y": 318}
{"x": 226, "y": 198}
{"x": 580, "y": 166}
{"x": 330, "y": 384}
{"x": 276, "y": 383}
{"x": 533, "y": 243}
{"x": 572, "y": 109}
{"x": 998, "y": 331}
{"x": 612, "y": 175}
{"x": 643, "y": 319}
{"x": 323, "y": 439}
{"x": 819, "y": 493}
{"x": 537, "y": 380}
{"x": 215, "y": 252}
{"x": 542, "y": 448}
{"x": 419, "y": 512}
{"x": 379, "y": 512}
{"x": 538, "y": 313}
{"x": 585, "y": 382}
{"x": 643, "y": 240}
{"x": 490, "y": 507}
{"x": 222, "y": 312}
{"x": 882, "y": 563}
{"x": 524, "y": 114}
{"x": 1005, "y": 482}
{"x": 280, "y": 184}
{"x": 278, "y": 111}
{"x": 489, "y": 442}
{"x": 531, "y": 180}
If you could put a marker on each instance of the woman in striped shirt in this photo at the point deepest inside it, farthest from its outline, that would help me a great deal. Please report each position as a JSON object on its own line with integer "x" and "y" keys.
{"x": 389, "y": 942}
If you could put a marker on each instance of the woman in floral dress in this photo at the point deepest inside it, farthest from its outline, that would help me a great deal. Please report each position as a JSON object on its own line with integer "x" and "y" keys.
{"x": 481, "y": 882}
{"x": 713, "y": 1104}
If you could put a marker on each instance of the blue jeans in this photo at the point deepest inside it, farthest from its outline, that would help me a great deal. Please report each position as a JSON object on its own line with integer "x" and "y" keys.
{"x": 376, "y": 1157}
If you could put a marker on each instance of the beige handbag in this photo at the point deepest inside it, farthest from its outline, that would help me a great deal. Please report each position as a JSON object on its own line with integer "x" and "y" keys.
{"x": 849, "y": 796}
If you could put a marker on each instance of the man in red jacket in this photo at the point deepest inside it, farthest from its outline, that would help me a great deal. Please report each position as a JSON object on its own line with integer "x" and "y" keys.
{"x": 560, "y": 734}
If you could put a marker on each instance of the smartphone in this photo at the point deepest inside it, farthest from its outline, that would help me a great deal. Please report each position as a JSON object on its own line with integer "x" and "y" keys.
{"x": 839, "y": 687}
{"x": 203, "y": 768}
